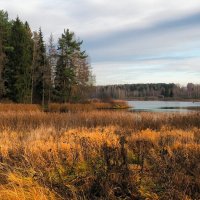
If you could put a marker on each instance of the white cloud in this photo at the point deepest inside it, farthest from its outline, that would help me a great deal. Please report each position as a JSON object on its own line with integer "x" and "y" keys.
{"x": 93, "y": 16}
{"x": 123, "y": 30}
{"x": 150, "y": 71}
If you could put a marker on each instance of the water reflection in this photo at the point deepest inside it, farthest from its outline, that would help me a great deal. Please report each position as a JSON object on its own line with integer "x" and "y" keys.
{"x": 164, "y": 106}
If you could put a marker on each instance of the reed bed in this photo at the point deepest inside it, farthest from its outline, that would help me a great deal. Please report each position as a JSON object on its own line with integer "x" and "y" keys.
{"x": 99, "y": 155}
{"x": 19, "y": 107}
{"x": 72, "y": 107}
{"x": 130, "y": 121}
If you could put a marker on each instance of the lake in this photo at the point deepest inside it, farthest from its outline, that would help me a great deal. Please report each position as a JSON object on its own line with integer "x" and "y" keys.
{"x": 164, "y": 106}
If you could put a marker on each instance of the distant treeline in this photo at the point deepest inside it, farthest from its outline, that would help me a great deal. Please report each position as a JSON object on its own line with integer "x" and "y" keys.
{"x": 148, "y": 91}
{"x": 34, "y": 72}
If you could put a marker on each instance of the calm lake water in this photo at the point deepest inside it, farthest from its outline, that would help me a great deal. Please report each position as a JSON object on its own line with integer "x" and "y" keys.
{"x": 164, "y": 106}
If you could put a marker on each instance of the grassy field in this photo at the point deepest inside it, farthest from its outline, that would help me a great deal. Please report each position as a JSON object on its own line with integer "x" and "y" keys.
{"x": 97, "y": 154}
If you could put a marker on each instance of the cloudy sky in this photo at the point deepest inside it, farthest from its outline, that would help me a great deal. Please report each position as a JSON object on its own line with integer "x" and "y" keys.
{"x": 129, "y": 41}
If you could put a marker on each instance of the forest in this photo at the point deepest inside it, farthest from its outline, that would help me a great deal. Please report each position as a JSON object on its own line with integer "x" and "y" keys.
{"x": 149, "y": 91}
{"x": 35, "y": 71}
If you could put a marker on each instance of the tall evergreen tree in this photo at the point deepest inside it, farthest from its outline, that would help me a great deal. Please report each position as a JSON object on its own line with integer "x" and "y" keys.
{"x": 18, "y": 68}
{"x": 41, "y": 71}
{"x": 5, "y": 26}
{"x": 4, "y": 35}
{"x": 2, "y": 91}
{"x": 52, "y": 59}
{"x": 28, "y": 57}
{"x": 66, "y": 70}
{"x": 29, "y": 73}
{"x": 34, "y": 65}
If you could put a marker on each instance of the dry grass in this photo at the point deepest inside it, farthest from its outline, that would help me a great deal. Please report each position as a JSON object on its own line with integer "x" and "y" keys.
{"x": 99, "y": 155}
{"x": 70, "y": 107}
{"x": 26, "y": 121}
{"x": 19, "y": 107}
{"x": 63, "y": 108}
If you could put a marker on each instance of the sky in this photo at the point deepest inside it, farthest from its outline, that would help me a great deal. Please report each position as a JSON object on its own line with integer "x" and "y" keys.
{"x": 128, "y": 41}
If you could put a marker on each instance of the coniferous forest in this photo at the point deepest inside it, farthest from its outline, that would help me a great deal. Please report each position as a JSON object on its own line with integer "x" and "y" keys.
{"x": 35, "y": 71}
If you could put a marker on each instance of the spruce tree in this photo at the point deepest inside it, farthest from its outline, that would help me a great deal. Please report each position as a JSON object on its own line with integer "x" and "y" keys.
{"x": 5, "y": 26}
{"x": 41, "y": 71}
{"x": 28, "y": 57}
{"x": 4, "y": 47}
{"x": 52, "y": 59}
{"x": 2, "y": 56}
{"x": 18, "y": 68}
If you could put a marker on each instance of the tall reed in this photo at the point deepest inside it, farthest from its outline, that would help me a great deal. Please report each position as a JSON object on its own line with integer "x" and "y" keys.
{"x": 99, "y": 155}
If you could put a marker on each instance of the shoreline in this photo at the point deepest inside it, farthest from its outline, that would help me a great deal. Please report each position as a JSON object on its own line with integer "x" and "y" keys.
{"x": 144, "y": 99}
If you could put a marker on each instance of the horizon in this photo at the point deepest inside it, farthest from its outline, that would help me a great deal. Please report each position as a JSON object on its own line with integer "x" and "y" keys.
{"x": 148, "y": 83}
{"x": 128, "y": 42}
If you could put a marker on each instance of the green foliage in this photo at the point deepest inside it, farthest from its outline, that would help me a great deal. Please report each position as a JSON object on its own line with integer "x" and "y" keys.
{"x": 5, "y": 26}
{"x": 41, "y": 71}
{"x": 29, "y": 75}
{"x": 4, "y": 33}
{"x": 18, "y": 68}
{"x": 66, "y": 70}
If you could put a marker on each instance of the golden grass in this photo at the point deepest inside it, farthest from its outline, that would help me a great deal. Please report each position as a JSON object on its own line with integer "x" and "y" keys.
{"x": 25, "y": 121}
{"x": 72, "y": 107}
{"x": 20, "y": 187}
{"x": 67, "y": 107}
{"x": 19, "y": 107}
{"x": 99, "y": 155}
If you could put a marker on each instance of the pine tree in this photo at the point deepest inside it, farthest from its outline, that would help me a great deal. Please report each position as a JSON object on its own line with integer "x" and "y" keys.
{"x": 69, "y": 58}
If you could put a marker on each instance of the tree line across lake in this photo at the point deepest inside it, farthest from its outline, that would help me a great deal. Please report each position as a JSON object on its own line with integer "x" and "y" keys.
{"x": 148, "y": 91}
{"x": 34, "y": 72}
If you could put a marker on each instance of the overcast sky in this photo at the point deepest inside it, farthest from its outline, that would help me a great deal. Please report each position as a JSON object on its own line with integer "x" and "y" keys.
{"x": 129, "y": 41}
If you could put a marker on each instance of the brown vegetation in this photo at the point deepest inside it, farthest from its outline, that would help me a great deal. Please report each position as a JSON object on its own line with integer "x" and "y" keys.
{"x": 19, "y": 107}
{"x": 99, "y": 155}
{"x": 71, "y": 107}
